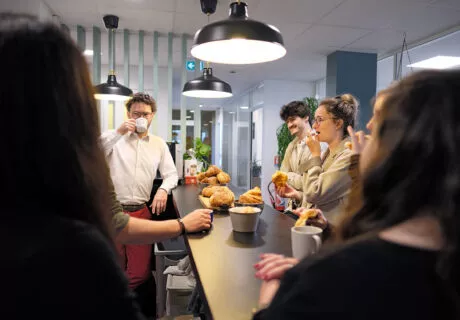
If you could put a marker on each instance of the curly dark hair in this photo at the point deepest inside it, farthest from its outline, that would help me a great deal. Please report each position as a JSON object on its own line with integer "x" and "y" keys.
{"x": 142, "y": 98}
{"x": 343, "y": 107}
{"x": 295, "y": 109}
{"x": 420, "y": 126}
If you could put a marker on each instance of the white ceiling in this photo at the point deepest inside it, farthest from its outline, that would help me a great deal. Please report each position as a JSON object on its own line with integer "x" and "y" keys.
{"x": 312, "y": 29}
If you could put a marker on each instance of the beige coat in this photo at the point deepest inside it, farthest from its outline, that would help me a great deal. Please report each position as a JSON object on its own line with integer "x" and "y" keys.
{"x": 296, "y": 161}
{"x": 328, "y": 182}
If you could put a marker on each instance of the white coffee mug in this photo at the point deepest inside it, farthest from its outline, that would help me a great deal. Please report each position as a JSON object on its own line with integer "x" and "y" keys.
{"x": 306, "y": 240}
{"x": 141, "y": 124}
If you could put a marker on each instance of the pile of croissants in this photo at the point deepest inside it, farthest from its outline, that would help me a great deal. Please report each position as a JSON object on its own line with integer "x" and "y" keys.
{"x": 214, "y": 176}
{"x": 219, "y": 196}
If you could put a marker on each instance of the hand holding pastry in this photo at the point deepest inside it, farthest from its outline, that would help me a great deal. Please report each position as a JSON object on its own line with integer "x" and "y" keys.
{"x": 279, "y": 179}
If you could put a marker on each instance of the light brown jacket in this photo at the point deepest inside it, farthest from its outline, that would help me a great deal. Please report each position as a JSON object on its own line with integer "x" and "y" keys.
{"x": 328, "y": 182}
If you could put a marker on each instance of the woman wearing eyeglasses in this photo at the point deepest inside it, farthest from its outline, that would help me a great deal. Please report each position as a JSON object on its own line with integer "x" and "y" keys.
{"x": 328, "y": 182}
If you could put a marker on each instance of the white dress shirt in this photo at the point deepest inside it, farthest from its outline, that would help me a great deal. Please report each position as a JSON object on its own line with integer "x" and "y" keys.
{"x": 134, "y": 163}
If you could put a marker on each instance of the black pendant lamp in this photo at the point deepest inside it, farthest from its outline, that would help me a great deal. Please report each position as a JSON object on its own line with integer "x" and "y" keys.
{"x": 112, "y": 90}
{"x": 207, "y": 86}
{"x": 238, "y": 40}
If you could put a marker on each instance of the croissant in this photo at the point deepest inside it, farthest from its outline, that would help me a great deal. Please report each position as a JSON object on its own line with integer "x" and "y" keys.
{"x": 255, "y": 192}
{"x": 212, "y": 171}
{"x": 247, "y": 198}
{"x": 222, "y": 197}
{"x": 201, "y": 176}
{"x": 279, "y": 179}
{"x": 223, "y": 177}
{"x": 210, "y": 190}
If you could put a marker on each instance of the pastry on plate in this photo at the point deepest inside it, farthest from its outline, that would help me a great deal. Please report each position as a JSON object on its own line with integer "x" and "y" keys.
{"x": 201, "y": 176}
{"x": 223, "y": 177}
{"x": 213, "y": 181}
{"x": 248, "y": 198}
{"x": 222, "y": 197}
{"x": 212, "y": 171}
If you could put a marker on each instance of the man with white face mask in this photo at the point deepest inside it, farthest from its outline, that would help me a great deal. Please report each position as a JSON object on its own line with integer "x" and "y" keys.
{"x": 134, "y": 156}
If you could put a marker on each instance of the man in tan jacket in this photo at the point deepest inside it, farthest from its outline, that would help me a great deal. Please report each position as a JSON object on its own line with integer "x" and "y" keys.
{"x": 296, "y": 162}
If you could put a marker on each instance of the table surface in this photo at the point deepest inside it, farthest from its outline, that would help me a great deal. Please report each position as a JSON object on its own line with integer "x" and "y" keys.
{"x": 223, "y": 259}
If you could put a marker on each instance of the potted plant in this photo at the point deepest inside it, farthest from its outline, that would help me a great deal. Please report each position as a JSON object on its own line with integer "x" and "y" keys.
{"x": 201, "y": 152}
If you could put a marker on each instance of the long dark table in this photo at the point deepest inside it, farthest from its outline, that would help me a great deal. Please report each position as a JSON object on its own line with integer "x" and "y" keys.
{"x": 223, "y": 259}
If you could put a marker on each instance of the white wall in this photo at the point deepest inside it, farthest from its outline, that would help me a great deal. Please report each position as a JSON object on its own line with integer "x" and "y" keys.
{"x": 276, "y": 94}
{"x": 33, "y": 7}
{"x": 384, "y": 73}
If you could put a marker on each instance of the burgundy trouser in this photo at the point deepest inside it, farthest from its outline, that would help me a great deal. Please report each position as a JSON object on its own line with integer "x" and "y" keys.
{"x": 135, "y": 259}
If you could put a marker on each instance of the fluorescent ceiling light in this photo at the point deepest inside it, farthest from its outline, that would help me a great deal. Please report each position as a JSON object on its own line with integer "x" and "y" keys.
{"x": 231, "y": 112}
{"x": 244, "y": 107}
{"x": 206, "y": 94}
{"x": 438, "y": 62}
{"x": 114, "y": 97}
{"x": 192, "y": 111}
{"x": 89, "y": 52}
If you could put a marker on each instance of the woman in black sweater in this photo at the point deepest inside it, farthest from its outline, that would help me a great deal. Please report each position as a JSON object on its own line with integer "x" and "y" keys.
{"x": 58, "y": 259}
{"x": 398, "y": 256}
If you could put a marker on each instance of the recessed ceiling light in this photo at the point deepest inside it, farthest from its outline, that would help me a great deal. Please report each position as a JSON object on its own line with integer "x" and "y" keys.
{"x": 231, "y": 112}
{"x": 201, "y": 106}
{"x": 438, "y": 62}
{"x": 244, "y": 107}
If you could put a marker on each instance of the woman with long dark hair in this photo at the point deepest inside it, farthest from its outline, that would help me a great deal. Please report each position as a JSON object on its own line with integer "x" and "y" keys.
{"x": 398, "y": 256}
{"x": 58, "y": 260}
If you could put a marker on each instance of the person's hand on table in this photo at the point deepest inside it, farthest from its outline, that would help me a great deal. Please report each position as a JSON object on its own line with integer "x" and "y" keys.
{"x": 273, "y": 266}
{"x": 289, "y": 192}
{"x": 197, "y": 220}
{"x": 319, "y": 221}
{"x": 159, "y": 201}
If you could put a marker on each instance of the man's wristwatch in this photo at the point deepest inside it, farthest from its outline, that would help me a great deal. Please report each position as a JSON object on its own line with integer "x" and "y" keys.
{"x": 182, "y": 227}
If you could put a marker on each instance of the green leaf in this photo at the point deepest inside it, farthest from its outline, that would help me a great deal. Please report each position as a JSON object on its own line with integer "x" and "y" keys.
{"x": 205, "y": 149}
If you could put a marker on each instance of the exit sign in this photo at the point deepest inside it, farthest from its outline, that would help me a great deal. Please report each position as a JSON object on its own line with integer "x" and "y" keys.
{"x": 190, "y": 65}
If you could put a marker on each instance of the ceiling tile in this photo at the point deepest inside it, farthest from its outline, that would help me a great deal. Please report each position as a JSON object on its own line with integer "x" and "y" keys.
{"x": 454, "y": 4}
{"x": 320, "y": 36}
{"x": 379, "y": 41}
{"x": 373, "y": 14}
{"x": 428, "y": 21}
{"x": 308, "y": 11}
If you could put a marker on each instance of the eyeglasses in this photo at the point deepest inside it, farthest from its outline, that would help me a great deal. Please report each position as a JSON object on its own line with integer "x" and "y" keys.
{"x": 137, "y": 114}
{"x": 318, "y": 120}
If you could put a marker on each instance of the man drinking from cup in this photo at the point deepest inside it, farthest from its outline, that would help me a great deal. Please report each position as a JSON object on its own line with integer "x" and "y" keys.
{"x": 134, "y": 156}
